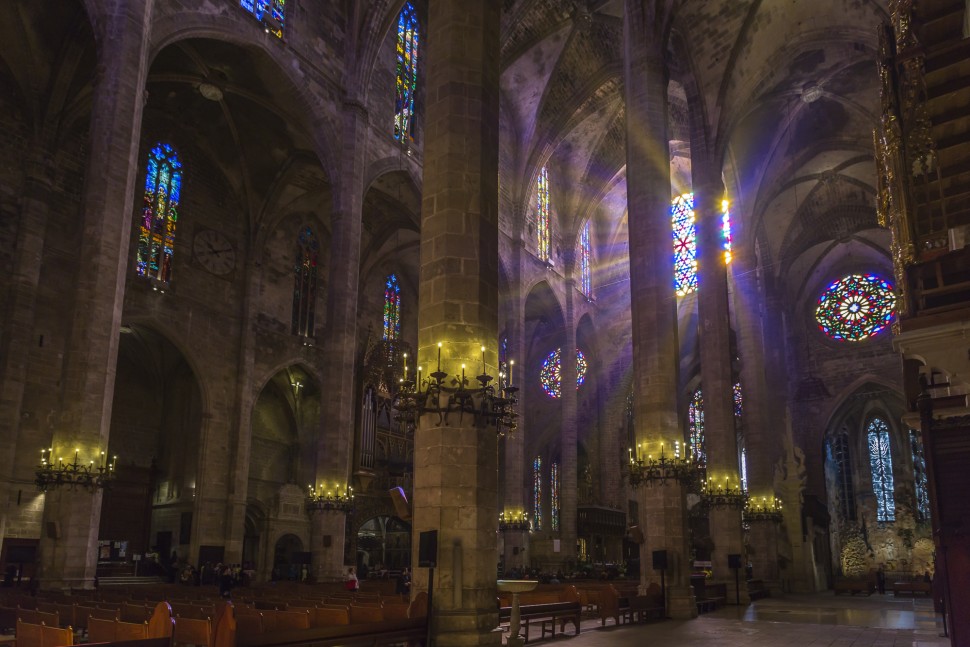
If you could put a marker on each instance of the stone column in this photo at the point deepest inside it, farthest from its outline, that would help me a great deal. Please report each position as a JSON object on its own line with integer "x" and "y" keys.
{"x": 759, "y": 441}
{"x": 68, "y": 547}
{"x": 455, "y": 460}
{"x": 653, "y": 306}
{"x": 567, "y": 438}
{"x": 241, "y": 431}
{"x": 16, "y": 338}
{"x": 720, "y": 436}
{"x": 515, "y": 490}
{"x": 338, "y": 404}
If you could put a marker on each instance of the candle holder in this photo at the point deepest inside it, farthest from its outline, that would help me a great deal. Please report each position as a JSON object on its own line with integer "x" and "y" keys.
{"x": 330, "y": 500}
{"x": 516, "y": 520}
{"x": 659, "y": 470}
{"x": 721, "y": 495}
{"x": 92, "y": 477}
{"x": 764, "y": 510}
{"x": 490, "y": 405}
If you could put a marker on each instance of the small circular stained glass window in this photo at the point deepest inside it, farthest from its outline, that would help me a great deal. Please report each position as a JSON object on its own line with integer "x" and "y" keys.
{"x": 550, "y": 375}
{"x": 855, "y": 307}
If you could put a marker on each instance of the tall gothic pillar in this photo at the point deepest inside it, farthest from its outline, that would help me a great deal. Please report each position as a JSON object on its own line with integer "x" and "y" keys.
{"x": 662, "y": 507}
{"x": 516, "y": 541}
{"x": 335, "y": 446}
{"x": 68, "y": 547}
{"x": 15, "y": 340}
{"x": 455, "y": 460}
{"x": 717, "y": 382}
{"x": 568, "y": 483}
{"x": 759, "y": 437}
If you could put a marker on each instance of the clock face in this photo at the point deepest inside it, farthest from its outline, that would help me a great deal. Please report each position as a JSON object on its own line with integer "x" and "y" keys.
{"x": 214, "y": 252}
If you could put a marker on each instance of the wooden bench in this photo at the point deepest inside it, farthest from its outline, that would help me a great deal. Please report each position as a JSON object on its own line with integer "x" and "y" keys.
{"x": 853, "y": 586}
{"x": 912, "y": 588}
{"x": 546, "y": 615}
{"x": 389, "y": 632}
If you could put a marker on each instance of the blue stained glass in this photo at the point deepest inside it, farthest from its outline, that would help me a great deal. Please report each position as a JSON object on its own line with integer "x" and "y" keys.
{"x": 881, "y": 465}
{"x": 550, "y": 376}
{"x": 537, "y": 493}
{"x": 584, "y": 262}
{"x": 919, "y": 477}
{"x": 856, "y": 307}
{"x": 695, "y": 427}
{"x": 275, "y": 8}
{"x": 156, "y": 239}
{"x": 407, "y": 72}
{"x": 392, "y": 308}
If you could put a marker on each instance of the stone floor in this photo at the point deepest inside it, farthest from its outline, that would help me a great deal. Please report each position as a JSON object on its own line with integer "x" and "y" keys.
{"x": 803, "y": 620}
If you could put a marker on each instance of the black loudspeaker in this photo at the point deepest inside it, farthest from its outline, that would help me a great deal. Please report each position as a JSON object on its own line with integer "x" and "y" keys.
{"x": 428, "y": 549}
{"x": 400, "y": 501}
{"x": 734, "y": 560}
{"x": 53, "y": 530}
{"x": 659, "y": 560}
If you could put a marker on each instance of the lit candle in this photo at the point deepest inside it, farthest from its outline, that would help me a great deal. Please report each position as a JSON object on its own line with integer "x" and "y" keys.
{"x": 483, "y": 360}
{"x": 405, "y": 366}
{"x": 511, "y": 371}
{"x": 439, "y": 356}
{"x": 75, "y": 455}
{"x": 462, "y": 375}
{"x": 419, "y": 375}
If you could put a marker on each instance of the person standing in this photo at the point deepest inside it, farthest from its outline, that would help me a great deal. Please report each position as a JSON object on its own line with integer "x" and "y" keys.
{"x": 350, "y": 581}
{"x": 404, "y": 582}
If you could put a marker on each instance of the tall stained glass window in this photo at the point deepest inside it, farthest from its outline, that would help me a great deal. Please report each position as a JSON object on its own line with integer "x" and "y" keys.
{"x": 305, "y": 282}
{"x": 276, "y": 9}
{"x": 855, "y": 307}
{"x": 550, "y": 375}
{"x": 685, "y": 243}
{"x": 554, "y": 496}
{"x": 159, "y": 215}
{"x": 407, "y": 73}
{"x": 744, "y": 469}
{"x": 695, "y": 427}
{"x": 503, "y": 359}
{"x": 738, "y": 400}
{"x": 585, "y": 271}
{"x": 543, "y": 216}
{"x": 919, "y": 477}
{"x": 537, "y": 493}
{"x": 841, "y": 461}
{"x": 881, "y": 465}
{"x": 392, "y": 308}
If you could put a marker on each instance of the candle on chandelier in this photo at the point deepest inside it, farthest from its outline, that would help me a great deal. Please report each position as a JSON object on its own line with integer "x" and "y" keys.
{"x": 462, "y": 375}
{"x": 511, "y": 370}
{"x": 439, "y": 356}
{"x": 483, "y": 360}
{"x": 405, "y": 366}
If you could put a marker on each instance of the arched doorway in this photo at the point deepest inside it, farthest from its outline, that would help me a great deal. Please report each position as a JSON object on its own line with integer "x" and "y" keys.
{"x": 288, "y": 559}
{"x": 384, "y": 542}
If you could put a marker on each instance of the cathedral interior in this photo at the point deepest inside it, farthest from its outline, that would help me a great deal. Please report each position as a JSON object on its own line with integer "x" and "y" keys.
{"x": 250, "y": 249}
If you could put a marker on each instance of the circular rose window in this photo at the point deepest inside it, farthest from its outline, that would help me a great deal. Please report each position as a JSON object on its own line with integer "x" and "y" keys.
{"x": 855, "y": 307}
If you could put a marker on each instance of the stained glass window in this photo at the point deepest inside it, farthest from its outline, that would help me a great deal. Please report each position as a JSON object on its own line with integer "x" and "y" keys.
{"x": 537, "y": 493}
{"x": 305, "y": 282}
{"x": 738, "y": 400}
{"x": 855, "y": 307}
{"x": 919, "y": 477}
{"x": 550, "y": 376}
{"x": 503, "y": 359}
{"x": 839, "y": 448}
{"x": 685, "y": 243}
{"x": 264, "y": 9}
{"x": 554, "y": 496}
{"x": 744, "y": 469}
{"x": 159, "y": 215}
{"x": 392, "y": 308}
{"x": 881, "y": 465}
{"x": 543, "y": 215}
{"x": 584, "y": 267}
{"x": 695, "y": 427}
{"x": 407, "y": 73}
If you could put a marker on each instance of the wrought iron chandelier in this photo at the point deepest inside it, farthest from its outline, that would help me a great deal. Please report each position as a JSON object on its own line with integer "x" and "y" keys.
{"x": 721, "y": 494}
{"x": 764, "y": 510}
{"x": 334, "y": 500}
{"x": 489, "y": 404}
{"x": 515, "y": 520}
{"x": 90, "y": 476}
{"x": 659, "y": 470}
